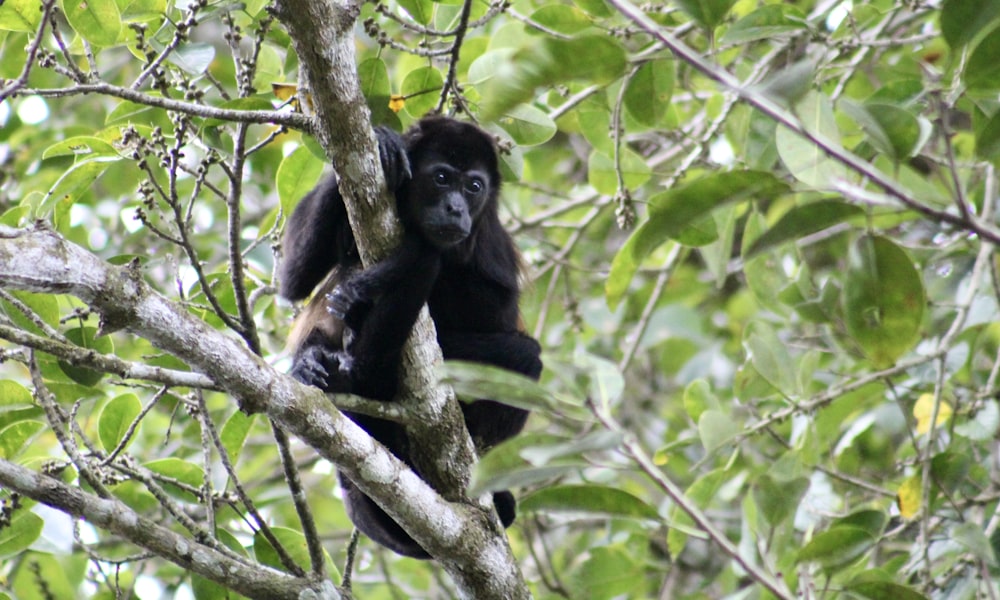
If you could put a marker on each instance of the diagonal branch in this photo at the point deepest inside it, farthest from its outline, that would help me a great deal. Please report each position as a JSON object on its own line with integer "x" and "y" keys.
{"x": 255, "y": 581}
{"x": 769, "y": 107}
{"x": 464, "y": 539}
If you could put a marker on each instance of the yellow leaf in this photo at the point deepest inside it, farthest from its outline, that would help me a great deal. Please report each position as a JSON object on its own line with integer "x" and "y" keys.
{"x": 284, "y": 91}
{"x": 661, "y": 457}
{"x": 908, "y": 497}
{"x": 923, "y": 410}
{"x": 396, "y": 102}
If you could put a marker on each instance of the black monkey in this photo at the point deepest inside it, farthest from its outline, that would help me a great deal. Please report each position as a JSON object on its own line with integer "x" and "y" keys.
{"x": 455, "y": 256}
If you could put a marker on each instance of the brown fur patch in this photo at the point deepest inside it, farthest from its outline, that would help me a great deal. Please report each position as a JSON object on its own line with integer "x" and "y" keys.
{"x": 315, "y": 316}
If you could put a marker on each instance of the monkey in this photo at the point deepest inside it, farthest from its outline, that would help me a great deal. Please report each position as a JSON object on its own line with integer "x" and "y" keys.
{"x": 455, "y": 256}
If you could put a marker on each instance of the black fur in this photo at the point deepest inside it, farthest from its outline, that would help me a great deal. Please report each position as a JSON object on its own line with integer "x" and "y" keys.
{"x": 455, "y": 256}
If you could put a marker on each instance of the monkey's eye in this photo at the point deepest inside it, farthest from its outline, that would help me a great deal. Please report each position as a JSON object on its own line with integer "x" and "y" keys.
{"x": 440, "y": 177}
{"x": 474, "y": 186}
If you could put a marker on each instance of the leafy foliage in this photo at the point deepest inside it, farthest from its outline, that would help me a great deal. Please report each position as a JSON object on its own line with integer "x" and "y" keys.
{"x": 771, "y": 314}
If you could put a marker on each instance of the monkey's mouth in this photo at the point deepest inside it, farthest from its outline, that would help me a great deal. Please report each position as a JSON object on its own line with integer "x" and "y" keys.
{"x": 450, "y": 235}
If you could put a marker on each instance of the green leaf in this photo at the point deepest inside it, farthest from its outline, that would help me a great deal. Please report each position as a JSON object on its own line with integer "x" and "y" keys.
{"x": 422, "y": 87}
{"x": 76, "y": 181}
{"x": 883, "y": 299}
{"x": 193, "y": 58}
{"x": 790, "y": 84}
{"x": 962, "y": 20}
{"x": 483, "y": 481}
{"x": 20, "y": 15}
{"x": 234, "y": 434}
{"x": 206, "y": 589}
{"x": 62, "y": 576}
{"x": 600, "y": 379}
{"x": 143, "y": 10}
{"x": 761, "y": 150}
{"x": 82, "y": 145}
{"x": 489, "y": 66}
{"x": 181, "y": 470}
{"x": 422, "y": 11}
{"x": 949, "y": 470}
{"x": 24, "y": 528}
{"x": 700, "y": 233}
{"x": 767, "y": 22}
{"x": 504, "y": 466}
{"x": 716, "y": 428}
{"x": 511, "y": 78}
{"x": 292, "y": 541}
{"x": 592, "y": 500}
{"x": 892, "y": 130}
{"x": 982, "y": 71}
{"x": 127, "y": 111}
{"x": 971, "y": 536}
{"x": 600, "y": 440}
{"x": 116, "y": 417}
{"x": 763, "y": 272}
{"x": 97, "y": 21}
{"x": 594, "y": 120}
{"x": 601, "y": 172}
{"x": 700, "y": 493}
{"x": 671, "y": 212}
{"x": 988, "y": 138}
{"x": 564, "y": 19}
{"x": 297, "y": 175}
{"x": 647, "y": 97}
{"x": 777, "y": 501}
{"x": 882, "y": 590}
{"x": 14, "y": 396}
{"x": 374, "y": 78}
{"x": 596, "y": 8}
{"x": 476, "y": 380}
{"x": 983, "y": 425}
{"x": 837, "y": 547}
{"x": 527, "y": 125}
{"x": 770, "y": 356}
{"x": 45, "y": 306}
{"x": 873, "y": 521}
{"x": 806, "y": 161}
{"x": 707, "y": 13}
{"x": 14, "y": 438}
{"x": 85, "y": 337}
{"x": 608, "y": 572}
{"x": 698, "y": 398}
{"x": 804, "y": 220}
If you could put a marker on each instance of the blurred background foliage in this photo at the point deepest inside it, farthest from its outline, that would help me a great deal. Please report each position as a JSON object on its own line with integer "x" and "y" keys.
{"x": 796, "y": 324}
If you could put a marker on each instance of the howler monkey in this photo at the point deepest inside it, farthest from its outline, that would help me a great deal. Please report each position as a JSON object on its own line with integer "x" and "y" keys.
{"x": 455, "y": 256}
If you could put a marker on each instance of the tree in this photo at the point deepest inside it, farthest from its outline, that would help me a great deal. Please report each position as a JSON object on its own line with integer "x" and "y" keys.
{"x": 761, "y": 244}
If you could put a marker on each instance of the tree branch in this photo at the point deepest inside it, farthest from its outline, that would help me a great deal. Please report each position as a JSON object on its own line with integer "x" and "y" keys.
{"x": 323, "y": 33}
{"x": 106, "y": 363}
{"x": 769, "y": 107}
{"x": 255, "y": 581}
{"x": 269, "y": 117}
{"x": 464, "y": 539}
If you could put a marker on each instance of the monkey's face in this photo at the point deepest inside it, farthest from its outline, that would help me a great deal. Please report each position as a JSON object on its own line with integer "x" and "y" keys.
{"x": 444, "y": 199}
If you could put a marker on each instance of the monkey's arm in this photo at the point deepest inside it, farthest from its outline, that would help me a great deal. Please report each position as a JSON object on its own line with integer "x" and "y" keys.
{"x": 379, "y": 306}
{"x": 318, "y": 235}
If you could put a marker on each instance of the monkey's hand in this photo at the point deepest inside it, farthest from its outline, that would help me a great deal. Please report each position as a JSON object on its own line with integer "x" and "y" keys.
{"x": 395, "y": 162}
{"x": 314, "y": 365}
{"x": 351, "y": 301}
